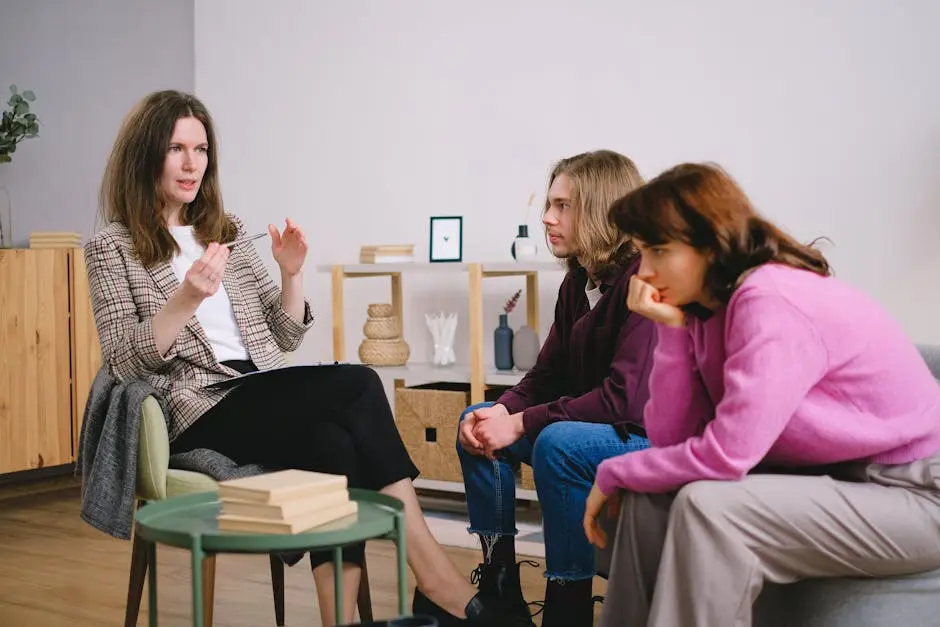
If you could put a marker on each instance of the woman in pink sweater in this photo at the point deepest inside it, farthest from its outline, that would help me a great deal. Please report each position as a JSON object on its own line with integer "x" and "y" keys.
{"x": 795, "y": 429}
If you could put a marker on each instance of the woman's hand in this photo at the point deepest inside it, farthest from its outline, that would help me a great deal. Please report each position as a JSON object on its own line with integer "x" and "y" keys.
{"x": 204, "y": 277}
{"x": 592, "y": 509}
{"x": 289, "y": 248}
{"x": 644, "y": 299}
{"x": 201, "y": 281}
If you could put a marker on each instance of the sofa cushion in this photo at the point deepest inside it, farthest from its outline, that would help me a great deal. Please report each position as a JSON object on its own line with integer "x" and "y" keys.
{"x": 851, "y": 602}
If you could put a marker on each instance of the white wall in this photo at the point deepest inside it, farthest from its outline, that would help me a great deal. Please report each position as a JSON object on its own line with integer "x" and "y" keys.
{"x": 88, "y": 62}
{"x": 362, "y": 119}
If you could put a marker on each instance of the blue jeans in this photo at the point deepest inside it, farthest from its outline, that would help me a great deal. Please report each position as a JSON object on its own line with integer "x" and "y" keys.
{"x": 564, "y": 461}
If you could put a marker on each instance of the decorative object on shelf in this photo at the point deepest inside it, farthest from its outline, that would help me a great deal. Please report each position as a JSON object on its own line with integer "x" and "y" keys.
{"x": 383, "y": 344}
{"x": 502, "y": 336}
{"x": 446, "y": 239}
{"x": 381, "y": 324}
{"x": 523, "y": 247}
{"x": 387, "y": 253}
{"x": 525, "y": 348}
{"x": 443, "y": 327}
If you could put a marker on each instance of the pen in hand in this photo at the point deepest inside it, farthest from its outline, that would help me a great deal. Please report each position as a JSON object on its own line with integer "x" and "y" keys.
{"x": 246, "y": 239}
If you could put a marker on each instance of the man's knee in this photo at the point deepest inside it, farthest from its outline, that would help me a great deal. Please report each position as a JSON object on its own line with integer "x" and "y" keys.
{"x": 552, "y": 446}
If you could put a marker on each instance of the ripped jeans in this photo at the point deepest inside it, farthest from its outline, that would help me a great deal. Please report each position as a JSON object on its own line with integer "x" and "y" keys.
{"x": 564, "y": 461}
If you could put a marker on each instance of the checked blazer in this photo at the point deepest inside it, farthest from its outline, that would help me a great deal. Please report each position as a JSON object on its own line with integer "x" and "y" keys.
{"x": 125, "y": 296}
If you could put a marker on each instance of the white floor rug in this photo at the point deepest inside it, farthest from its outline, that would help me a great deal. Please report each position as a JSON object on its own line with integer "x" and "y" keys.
{"x": 451, "y": 530}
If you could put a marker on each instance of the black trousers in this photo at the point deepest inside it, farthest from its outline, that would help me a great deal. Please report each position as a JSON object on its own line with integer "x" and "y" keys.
{"x": 325, "y": 419}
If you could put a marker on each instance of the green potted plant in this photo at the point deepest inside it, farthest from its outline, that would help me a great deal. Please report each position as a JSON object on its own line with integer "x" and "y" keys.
{"x": 16, "y": 124}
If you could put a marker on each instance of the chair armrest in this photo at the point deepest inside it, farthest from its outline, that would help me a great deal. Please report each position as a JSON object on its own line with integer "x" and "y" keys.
{"x": 153, "y": 452}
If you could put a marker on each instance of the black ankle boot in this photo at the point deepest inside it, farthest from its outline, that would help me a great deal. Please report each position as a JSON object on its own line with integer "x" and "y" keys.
{"x": 479, "y": 613}
{"x": 568, "y": 604}
{"x": 501, "y": 584}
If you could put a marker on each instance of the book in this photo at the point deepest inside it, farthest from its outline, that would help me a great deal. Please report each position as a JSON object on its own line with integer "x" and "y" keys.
{"x": 281, "y": 486}
{"x": 296, "y": 508}
{"x": 388, "y": 253}
{"x": 55, "y": 239}
{"x": 295, "y": 525}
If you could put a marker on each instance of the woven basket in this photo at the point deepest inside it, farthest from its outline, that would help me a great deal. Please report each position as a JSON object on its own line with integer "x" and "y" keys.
{"x": 380, "y": 310}
{"x": 382, "y": 328}
{"x": 384, "y": 352}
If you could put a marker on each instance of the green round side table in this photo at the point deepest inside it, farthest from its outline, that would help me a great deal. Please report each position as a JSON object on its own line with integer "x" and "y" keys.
{"x": 190, "y": 522}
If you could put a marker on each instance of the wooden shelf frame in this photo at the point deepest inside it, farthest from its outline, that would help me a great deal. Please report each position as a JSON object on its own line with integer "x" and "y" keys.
{"x": 476, "y": 273}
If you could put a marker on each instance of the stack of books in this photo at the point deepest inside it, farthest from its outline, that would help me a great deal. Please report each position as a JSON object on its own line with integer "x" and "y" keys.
{"x": 55, "y": 239}
{"x": 387, "y": 253}
{"x": 283, "y": 502}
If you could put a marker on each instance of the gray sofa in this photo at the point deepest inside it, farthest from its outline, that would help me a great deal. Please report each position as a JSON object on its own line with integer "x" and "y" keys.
{"x": 913, "y": 601}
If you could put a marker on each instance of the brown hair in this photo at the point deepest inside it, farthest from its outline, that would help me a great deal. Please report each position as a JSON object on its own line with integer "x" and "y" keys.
{"x": 130, "y": 191}
{"x": 702, "y": 206}
{"x": 598, "y": 178}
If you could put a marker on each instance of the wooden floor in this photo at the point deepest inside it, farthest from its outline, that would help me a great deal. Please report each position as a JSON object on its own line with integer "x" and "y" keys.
{"x": 58, "y": 571}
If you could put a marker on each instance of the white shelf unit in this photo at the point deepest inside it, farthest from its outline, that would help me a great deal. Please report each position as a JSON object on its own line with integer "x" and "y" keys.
{"x": 477, "y": 374}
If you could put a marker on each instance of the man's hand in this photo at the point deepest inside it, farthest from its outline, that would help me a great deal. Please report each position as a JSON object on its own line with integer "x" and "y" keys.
{"x": 468, "y": 426}
{"x": 497, "y": 433}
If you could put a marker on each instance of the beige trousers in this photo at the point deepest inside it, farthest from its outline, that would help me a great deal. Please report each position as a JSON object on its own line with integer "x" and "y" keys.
{"x": 699, "y": 558}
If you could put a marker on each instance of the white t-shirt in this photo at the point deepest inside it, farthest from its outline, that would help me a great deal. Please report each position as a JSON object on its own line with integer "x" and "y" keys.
{"x": 593, "y": 292}
{"x": 215, "y": 314}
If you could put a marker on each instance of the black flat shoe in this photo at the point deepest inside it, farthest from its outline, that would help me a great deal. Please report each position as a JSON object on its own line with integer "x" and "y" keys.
{"x": 479, "y": 613}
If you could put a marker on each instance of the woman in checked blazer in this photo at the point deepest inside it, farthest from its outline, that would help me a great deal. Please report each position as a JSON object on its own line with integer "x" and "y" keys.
{"x": 180, "y": 302}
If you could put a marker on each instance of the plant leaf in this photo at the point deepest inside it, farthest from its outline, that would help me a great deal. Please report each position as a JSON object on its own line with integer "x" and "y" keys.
{"x": 5, "y": 159}
{"x": 29, "y": 95}
{"x": 12, "y": 89}
{"x": 20, "y": 108}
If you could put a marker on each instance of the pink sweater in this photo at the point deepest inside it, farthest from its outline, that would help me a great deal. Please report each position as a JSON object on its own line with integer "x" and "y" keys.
{"x": 797, "y": 370}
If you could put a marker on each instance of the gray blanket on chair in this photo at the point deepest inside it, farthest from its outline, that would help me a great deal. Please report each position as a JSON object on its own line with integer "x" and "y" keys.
{"x": 107, "y": 454}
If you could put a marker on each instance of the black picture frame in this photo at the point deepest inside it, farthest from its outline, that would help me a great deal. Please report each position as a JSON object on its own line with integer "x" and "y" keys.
{"x": 441, "y": 247}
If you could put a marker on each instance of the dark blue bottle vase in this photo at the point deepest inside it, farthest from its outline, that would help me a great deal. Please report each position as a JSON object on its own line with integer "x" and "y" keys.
{"x": 502, "y": 343}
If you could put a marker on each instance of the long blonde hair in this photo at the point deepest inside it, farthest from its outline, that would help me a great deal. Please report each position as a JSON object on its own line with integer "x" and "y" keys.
{"x": 598, "y": 179}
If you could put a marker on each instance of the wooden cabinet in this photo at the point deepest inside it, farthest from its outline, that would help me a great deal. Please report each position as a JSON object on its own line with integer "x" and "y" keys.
{"x": 48, "y": 356}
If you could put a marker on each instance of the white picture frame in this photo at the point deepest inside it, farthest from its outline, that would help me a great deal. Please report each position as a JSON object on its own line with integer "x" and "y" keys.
{"x": 446, "y": 239}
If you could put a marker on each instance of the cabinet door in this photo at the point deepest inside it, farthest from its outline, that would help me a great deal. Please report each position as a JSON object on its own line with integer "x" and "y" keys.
{"x": 86, "y": 351}
{"x": 35, "y": 391}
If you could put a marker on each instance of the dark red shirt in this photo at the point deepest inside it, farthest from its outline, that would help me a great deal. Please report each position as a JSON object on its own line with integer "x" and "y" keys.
{"x": 594, "y": 365}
